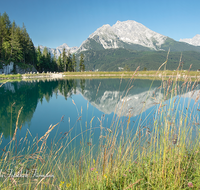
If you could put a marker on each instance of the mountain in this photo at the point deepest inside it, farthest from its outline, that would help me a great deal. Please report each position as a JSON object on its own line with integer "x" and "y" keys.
{"x": 133, "y": 36}
{"x": 128, "y": 34}
{"x": 130, "y": 44}
{"x": 195, "y": 41}
{"x": 59, "y": 49}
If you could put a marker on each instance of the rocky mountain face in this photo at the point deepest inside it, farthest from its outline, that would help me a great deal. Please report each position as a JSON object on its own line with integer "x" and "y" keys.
{"x": 131, "y": 44}
{"x": 129, "y": 35}
{"x": 123, "y": 35}
{"x": 59, "y": 49}
{"x": 195, "y": 41}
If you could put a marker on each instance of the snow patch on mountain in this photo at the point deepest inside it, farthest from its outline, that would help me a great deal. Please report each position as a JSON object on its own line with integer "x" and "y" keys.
{"x": 195, "y": 41}
{"x": 106, "y": 36}
{"x": 59, "y": 49}
{"x": 133, "y": 32}
{"x": 130, "y": 32}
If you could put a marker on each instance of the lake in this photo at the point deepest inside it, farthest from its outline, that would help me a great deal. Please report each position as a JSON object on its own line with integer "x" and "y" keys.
{"x": 82, "y": 107}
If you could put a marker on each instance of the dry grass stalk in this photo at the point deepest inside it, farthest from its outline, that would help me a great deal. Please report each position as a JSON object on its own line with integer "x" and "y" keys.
{"x": 41, "y": 181}
{"x": 3, "y": 84}
{"x": 73, "y": 102}
{"x": 19, "y": 112}
{"x": 135, "y": 72}
{"x": 98, "y": 88}
{"x": 164, "y": 62}
{"x": 131, "y": 185}
{"x": 104, "y": 161}
{"x": 180, "y": 62}
{"x": 47, "y": 133}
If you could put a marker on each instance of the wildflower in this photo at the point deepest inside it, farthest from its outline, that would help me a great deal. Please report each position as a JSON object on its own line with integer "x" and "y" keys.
{"x": 68, "y": 185}
{"x": 190, "y": 184}
{"x": 125, "y": 175}
{"x": 129, "y": 171}
{"x": 61, "y": 184}
{"x": 92, "y": 169}
{"x": 105, "y": 176}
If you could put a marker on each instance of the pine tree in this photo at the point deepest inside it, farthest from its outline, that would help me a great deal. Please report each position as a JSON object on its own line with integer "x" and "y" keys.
{"x": 5, "y": 26}
{"x": 60, "y": 64}
{"x": 81, "y": 65}
{"x": 24, "y": 42}
{"x": 74, "y": 62}
{"x": 15, "y": 43}
{"x": 64, "y": 60}
{"x": 54, "y": 56}
{"x": 16, "y": 53}
{"x": 45, "y": 52}
{"x": 39, "y": 60}
{"x": 69, "y": 62}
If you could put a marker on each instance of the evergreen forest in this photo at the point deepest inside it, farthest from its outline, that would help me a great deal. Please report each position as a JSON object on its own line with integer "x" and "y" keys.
{"x": 17, "y": 46}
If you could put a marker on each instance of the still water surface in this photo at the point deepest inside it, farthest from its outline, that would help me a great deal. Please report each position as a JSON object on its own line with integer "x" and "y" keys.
{"x": 80, "y": 104}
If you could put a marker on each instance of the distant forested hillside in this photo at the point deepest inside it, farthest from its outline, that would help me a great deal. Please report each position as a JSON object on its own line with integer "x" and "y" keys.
{"x": 112, "y": 59}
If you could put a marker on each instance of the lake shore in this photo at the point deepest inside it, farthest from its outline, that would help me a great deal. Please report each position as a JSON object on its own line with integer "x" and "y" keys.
{"x": 158, "y": 75}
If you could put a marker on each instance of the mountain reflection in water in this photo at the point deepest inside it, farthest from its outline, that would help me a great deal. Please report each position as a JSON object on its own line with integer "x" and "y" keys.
{"x": 43, "y": 104}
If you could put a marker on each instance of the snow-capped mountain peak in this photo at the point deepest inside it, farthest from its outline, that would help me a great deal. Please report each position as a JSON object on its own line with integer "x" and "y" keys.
{"x": 60, "y": 49}
{"x": 195, "y": 41}
{"x": 131, "y": 31}
{"x": 126, "y": 32}
{"x": 63, "y": 46}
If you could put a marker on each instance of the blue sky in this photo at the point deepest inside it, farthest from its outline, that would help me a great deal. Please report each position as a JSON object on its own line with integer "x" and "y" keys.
{"x": 54, "y": 22}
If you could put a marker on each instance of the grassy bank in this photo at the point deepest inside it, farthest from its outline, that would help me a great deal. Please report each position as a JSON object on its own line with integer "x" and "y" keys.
{"x": 158, "y": 75}
{"x": 161, "y": 155}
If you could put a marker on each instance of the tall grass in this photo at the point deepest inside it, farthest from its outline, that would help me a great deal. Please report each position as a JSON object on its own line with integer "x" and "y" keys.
{"x": 161, "y": 155}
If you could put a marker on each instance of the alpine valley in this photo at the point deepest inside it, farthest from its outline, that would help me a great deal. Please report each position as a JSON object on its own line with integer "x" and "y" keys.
{"x": 129, "y": 44}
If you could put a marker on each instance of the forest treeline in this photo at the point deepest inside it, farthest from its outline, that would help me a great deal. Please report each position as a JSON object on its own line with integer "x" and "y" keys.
{"x": 17, "y": 46}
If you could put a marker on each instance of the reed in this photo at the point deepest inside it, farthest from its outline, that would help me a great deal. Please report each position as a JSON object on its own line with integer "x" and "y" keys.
{"x": 164, "y": 154}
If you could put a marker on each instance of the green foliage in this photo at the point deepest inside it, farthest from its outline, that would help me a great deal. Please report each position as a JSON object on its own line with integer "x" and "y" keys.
{"x": 111, "y": 59}
{"x": 81, "y": 65}
{"x": 44, "y": 61}
{"x": 60, "y": 64}
{"x": 144, "y": 69}
{"x": 126, "y": 68}
{"x": 69, "y": 62}
{"x": 64, "y": 60}
{"x": 15, "y": 43}
{"x": 74, "y": 62}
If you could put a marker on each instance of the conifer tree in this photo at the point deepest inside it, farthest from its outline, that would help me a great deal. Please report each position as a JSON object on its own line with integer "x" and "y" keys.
{"x": 54, "y": 56}
{"x": 81, "y": 65}
{"x": 64, "y": 60}
{"x": 69, "y": 62}
{"x": 16, "y": 53}
{"x": 4, "y": 36}
{"x": 60, "y": 64}
{"x": 15, "y": 43}
{"x": 74, "y": 62}
{"x": 39, "y": 60}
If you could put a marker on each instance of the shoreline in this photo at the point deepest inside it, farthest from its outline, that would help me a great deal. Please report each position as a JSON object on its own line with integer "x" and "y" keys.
{"x": 156, "y": 75}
